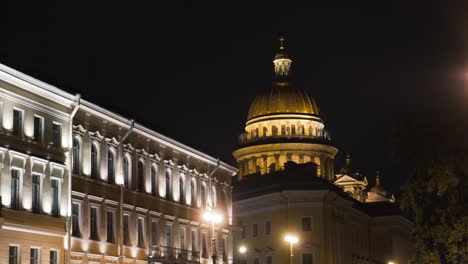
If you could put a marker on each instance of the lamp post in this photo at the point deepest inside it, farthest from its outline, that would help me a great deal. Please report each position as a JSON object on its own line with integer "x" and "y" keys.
{"x": 292, "y": 239}
{"x": 214, "y": 218}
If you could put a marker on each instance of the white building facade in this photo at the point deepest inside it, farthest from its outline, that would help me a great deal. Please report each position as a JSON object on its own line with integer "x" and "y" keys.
{"x": 81, "y": 184}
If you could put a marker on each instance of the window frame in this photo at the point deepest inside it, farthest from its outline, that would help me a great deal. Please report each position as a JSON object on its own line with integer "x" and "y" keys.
{"x": 140, "y": 235}
{"x": 110, "y": 237}
{"x": 309, "y": 229}
{"x": 20, "y": 131}
{"x": 94, "y": 160}
{"x": 38, "y": 260}
{"x": 59, "y": 189}
{"x": 57, "y": 141}
{"x": 18, "y": 254}
{"x": 93, "y": 236}
{"x": 39, "y": 139}
{"x": 79, "y": 217}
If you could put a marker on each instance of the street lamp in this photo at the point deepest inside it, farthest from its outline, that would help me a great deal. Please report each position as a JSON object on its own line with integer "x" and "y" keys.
{"x": 242, "y": 249}
{"x": 214, "y": 218}
{"x": 391, "y": 262}
{"x": 292, "y": 239}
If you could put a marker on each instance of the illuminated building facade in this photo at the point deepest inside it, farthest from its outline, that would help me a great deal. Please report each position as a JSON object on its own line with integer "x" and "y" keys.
{"x": 135, "y": 196}
{"x": 287, "y": 185}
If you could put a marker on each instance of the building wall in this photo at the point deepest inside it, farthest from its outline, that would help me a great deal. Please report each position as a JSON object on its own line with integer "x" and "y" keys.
{"x": 88, "y": 188}
{"x": 21, "y": 226}
{"x": 339, "y": 233}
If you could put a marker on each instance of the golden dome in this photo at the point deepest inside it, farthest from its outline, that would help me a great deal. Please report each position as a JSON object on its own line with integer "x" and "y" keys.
{"x": 283, "y": 98}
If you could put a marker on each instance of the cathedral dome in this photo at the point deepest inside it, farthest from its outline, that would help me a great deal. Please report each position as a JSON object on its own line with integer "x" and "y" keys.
{"x": 283, "y": 98}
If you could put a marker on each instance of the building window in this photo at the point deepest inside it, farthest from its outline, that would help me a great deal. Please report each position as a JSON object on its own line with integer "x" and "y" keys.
{"x": 140, "y": 235}
{"x": 168, "y": 235}
{"x": 94, "y": 161}
{"x": 55, "y": 197}
{"x": 307, "y": 223}
{"x": 181, "y": 190}
{"x": 110, "y": 166}
{"x": 17, "y": 122}
{"x": 38, "y": 129}
{"x": 203, "y": 195}
{"x": 168, "y": 184}
{"x": 53, "y": 257}
{"x": 256, "y": 260}
{"x": 15, "y": 189}
{"x": 75, "y": 220}
{"x": 254, "y": 230}
{"x": 93, "y": 223}
{"x": 182, "y": 238}
{"x": 214, "y": 197}
{"x": 76, "y": 156}
{"x": 154, "y": 233}
{"x": 267, "y": 227}
{"x": 307, "y": 258}
{"x": 126, "y": 231}
{"x": 154, "y": 180}
{"x": 126, "y": 165}
{"x": 193, "y": 193}
{"x": 269, "y": 260}
{"x": 194, "y": 242}
{"x": 141, "y": 176}
{"x": 36, "y": 194}
{"x": 56, "y": 135}
{"x": 110, "y": 226}
{"x": 222, "y": 202}
{"x": 243, "y": 232}
{"x": 34, "y": 256}
{"x": 13, "y": 255}
{"x": 204, "y": 245}
{"x": 224, "y": 247}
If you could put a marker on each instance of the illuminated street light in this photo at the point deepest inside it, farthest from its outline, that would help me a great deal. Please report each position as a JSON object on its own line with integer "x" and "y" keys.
{"x": 391, "y": 262}
{"x": 242, "y": 249}
{"x": 214, "y": 218}
{"x": 291, "y": 239}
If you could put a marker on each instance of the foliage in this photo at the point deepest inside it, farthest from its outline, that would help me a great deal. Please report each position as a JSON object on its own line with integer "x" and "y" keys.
{"x": 433, "y": 147}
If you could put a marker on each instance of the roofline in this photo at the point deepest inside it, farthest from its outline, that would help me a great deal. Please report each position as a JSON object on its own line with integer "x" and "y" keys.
{"x": 21, "y": 79}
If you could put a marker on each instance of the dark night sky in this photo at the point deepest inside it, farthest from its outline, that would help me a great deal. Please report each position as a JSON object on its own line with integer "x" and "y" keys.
{"x": 190, "y": 71}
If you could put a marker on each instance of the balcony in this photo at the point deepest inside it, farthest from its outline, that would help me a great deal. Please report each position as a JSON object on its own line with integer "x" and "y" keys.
{"x": 247, "y": 138}
{"x": 162, "y": 254}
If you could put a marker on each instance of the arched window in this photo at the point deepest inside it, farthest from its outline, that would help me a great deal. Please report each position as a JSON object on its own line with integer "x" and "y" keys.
{"x": 222, "y": 202}
{"x": 94, "y": 161}
{"x": 213, "y": 196}
{"x": 193, "y": 193}
{"x": 154, "y": 180}
{"x": 203, "y": 195}
{"x": 181, "y": 190}
{"x": 141, "y": 176}
{"x": 168, "y": 184}
{"x": 76, "y": 156}
{"x": 126, "y": 172}
{"x": 110, "y": 166}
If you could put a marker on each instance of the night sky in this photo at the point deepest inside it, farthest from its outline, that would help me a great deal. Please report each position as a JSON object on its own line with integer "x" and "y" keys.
{"x": 190, "y": 71}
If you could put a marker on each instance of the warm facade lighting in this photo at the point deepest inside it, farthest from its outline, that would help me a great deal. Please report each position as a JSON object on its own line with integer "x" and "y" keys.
{"x": 215, "y": 217}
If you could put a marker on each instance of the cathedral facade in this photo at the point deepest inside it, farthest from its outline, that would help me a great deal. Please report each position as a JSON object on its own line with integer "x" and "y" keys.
{"x": 287, "y": 189}
{"x": 81, "y": 184}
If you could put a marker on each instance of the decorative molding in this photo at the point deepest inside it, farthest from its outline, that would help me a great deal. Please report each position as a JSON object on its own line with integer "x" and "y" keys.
{"x": 169, "y": 163}
{"x": 112, "y": 142}
{"x": 95, "y": 136}
{"x": 79, "y": 130}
